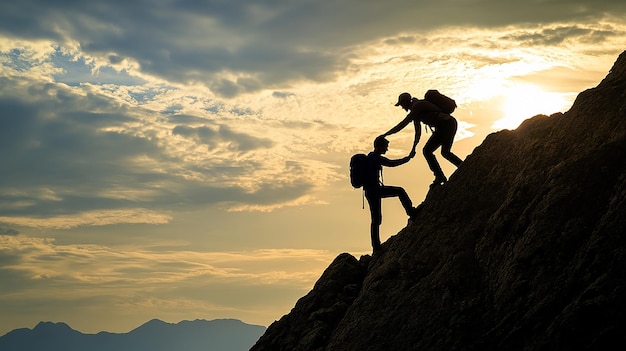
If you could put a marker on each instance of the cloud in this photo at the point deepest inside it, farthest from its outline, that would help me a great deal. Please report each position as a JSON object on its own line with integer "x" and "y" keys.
{"x": 557, "y": 35}
{"x": 282, "y": 94}
{"x": 37, "y": 260}
{"x": 238, "y": 142}
{"x": 8, "y": 231}
{"x": 240, "y": 47}
{"x": 97, "y": 119}
{"x": 57, "y": 130}
{"x": 91, "y": 218}
{"x": 83, "y": 150}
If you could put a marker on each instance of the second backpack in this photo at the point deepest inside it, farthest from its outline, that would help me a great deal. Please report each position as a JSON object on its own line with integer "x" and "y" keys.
{"x": 446, "y": 104}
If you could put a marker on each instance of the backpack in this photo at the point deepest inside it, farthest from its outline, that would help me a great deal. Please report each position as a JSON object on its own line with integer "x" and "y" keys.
{"x": 358, "y": 170}
{"x": 446, "y": 104}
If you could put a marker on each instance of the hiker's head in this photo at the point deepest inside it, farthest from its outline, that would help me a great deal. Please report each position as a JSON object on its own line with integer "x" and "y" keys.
{"x": 404, "y": 100}
{"x": 381, "y": 144}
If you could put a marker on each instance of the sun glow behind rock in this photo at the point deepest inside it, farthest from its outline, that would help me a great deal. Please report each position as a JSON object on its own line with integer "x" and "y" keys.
{"x": 523, "y": 101}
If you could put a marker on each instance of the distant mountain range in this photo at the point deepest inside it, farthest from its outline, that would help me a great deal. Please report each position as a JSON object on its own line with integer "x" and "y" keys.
{"x": 155, "y": 335}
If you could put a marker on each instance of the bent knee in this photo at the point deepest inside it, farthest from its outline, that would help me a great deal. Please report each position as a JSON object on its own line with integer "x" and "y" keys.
{"x": 447, "y": 153}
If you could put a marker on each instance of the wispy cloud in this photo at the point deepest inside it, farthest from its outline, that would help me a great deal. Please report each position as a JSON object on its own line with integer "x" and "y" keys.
{"x": 237, "y": 142}
{"x": 563, "y": 33}
{"x": 91, "y": 218}
{"x": 41, "y": 260}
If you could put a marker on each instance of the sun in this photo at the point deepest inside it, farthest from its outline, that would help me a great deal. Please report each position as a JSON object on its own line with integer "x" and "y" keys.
{"x": 523, "y": 101}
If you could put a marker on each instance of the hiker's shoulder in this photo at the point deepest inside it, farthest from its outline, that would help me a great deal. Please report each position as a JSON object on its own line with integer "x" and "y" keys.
{"x": 423, "y": 105}
{"x": 375, "y": 157}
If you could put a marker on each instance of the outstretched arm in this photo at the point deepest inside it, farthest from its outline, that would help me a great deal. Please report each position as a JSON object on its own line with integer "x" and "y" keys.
{"x": 393, "y": 163}
{"x": 400, "y": 125}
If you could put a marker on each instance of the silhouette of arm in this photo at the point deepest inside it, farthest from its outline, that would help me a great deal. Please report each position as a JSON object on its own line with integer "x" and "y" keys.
{"x": 400, "y": 125}
{"x": 394, "y": 163}
{"x": 418, "y": 134}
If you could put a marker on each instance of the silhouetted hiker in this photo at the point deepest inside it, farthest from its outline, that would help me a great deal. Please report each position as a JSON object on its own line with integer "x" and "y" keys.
{"x": 445, "y": 126}
{"x": 375, "y": 190}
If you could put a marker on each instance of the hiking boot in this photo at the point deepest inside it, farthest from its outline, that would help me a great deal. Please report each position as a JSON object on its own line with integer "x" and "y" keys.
{"x": 415, "y": 211}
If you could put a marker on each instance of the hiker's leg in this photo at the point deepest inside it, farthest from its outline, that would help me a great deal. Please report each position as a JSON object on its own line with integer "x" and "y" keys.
{"x": 375, "y": 233}
{"x": 448, "y": 131}
{"x": 375, "y": 203}
{"x": 429, "y": 148}
{"x": 405, "y": 200}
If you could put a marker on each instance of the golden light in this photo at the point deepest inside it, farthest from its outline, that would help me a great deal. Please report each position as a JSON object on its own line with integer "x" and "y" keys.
{"x": 523, "y": 101}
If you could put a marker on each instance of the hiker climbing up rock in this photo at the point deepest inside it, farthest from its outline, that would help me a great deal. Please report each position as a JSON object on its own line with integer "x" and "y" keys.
{"x": 436, "y": 116}
{"x": 375, "y": 190}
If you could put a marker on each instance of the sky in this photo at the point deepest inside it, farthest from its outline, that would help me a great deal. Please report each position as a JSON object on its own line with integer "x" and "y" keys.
{"x": 183, "y": 160}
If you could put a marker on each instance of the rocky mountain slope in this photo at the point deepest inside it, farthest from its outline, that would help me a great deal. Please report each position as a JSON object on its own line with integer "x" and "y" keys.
{"x": 523, "y": 249}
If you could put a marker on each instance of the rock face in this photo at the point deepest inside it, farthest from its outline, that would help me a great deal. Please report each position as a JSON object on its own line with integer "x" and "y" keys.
{"x": 523, "y": 249}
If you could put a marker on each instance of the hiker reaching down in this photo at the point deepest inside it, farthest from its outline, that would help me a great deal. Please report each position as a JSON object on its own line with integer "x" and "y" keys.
{"x": 375, "y": 190}
{"x": 444, "y": 124}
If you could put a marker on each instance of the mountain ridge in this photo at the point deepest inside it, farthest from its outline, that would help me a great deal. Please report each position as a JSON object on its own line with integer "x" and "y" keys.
{"x": 155, "y": 335}
{"x": 522, "y": 249}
